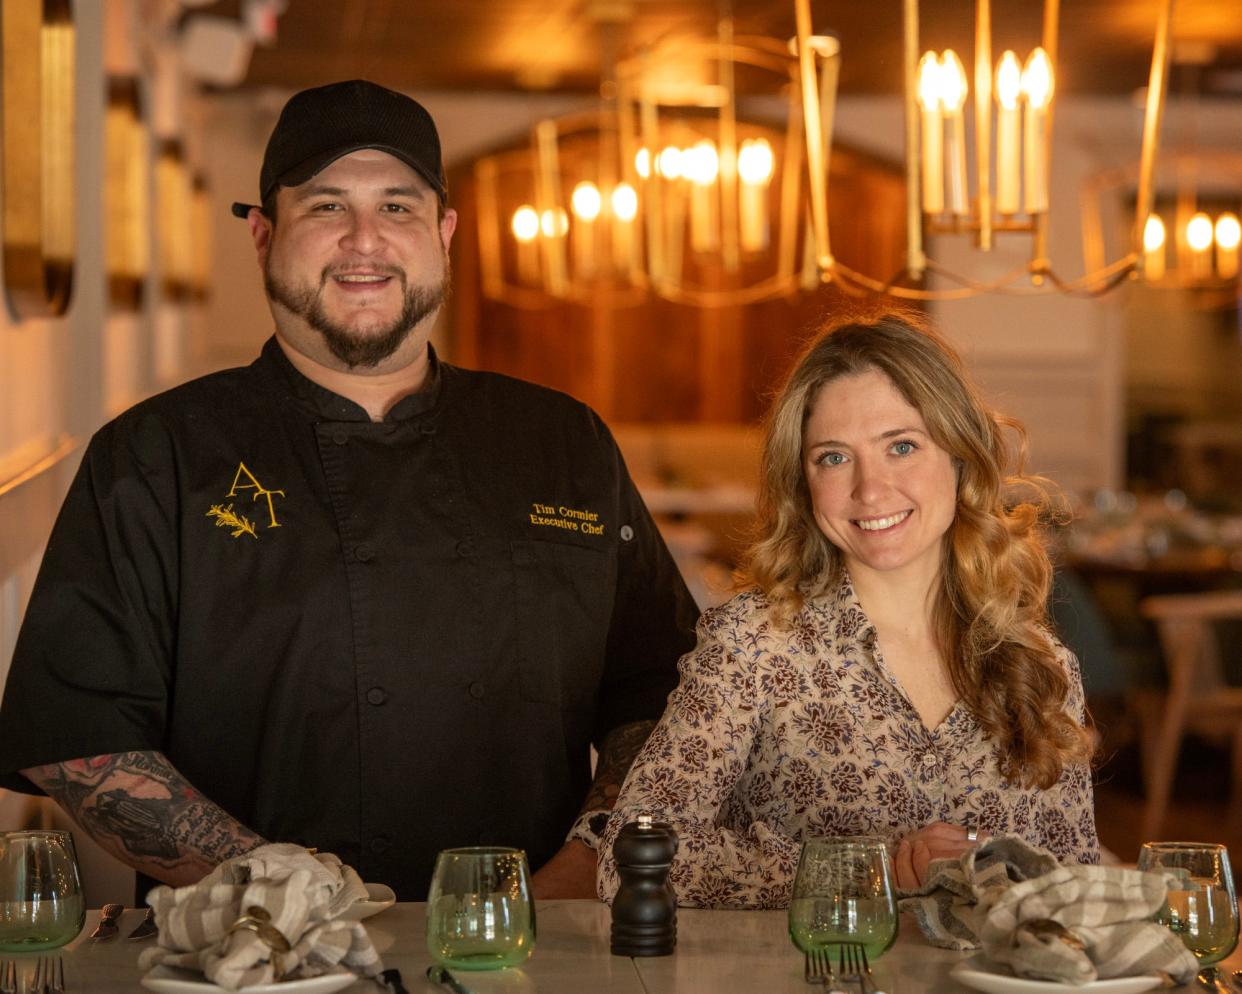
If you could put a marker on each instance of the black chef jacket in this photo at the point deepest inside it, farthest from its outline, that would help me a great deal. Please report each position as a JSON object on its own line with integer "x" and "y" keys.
{"x": 378, "y": 639}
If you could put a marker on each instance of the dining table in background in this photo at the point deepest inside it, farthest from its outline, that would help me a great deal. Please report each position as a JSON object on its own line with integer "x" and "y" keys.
{"x": 718, "y": 952}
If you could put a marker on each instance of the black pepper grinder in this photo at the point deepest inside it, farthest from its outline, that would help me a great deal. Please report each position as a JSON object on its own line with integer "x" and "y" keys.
{"x": 644, "y": 912}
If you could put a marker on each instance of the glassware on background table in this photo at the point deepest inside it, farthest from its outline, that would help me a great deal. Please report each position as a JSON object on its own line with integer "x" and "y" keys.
{"x": 844, "y": 892}
{"x": 41, "y": 903}
{"x": 1201, "y": 907}
{"x": 479, "y": 910}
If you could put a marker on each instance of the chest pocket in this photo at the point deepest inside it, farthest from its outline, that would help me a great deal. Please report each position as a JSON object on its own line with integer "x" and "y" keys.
{"x": 564, "y": 597}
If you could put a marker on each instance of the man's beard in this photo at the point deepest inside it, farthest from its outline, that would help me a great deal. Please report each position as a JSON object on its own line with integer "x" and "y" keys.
{"x": 349, "y": 347}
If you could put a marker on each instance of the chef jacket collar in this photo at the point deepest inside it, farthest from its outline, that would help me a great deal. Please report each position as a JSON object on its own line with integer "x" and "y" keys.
{"x": 325, "y": 404}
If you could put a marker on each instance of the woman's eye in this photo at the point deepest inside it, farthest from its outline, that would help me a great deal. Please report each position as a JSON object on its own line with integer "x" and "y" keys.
{"x": 904, "y": 448}
{"x": 831, "y": 459}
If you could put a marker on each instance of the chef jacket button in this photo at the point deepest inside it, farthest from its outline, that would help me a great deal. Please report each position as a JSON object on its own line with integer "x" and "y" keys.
{"x": 340, "y": 437}
{"x": 627, "y": 533}
{"x": 477, "y": 690}
{"x": 929, "y": 759}
{"x": 363, "y": 552}
{"x": 380, "y": 845}
{"x": 376, "y": 696}
{"x": 427, "y": 428}
{"x": 465, "y": 547}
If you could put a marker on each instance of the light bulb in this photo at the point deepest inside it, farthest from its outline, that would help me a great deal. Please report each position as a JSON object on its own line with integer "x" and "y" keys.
{"x": 1153, "y": 233}
{"x": 642, "y": 163}
{"x": 1199, "y": 232}
{"x": 668, "y": 163}
{"x": 624, "y": 202}
{"x": 1228, "y": 231}
{"x": 525, "y": 223}
{"x": 755, "y": 161}
{"x": 700, "y": 163}
{"x": 929, "y": 81}
{"x": 554, "y": 222}
{"x": 1008, "y": 81}
{"x": 1037, "y": 79}
{"x": 586, "y": 201}
{"x": 952, "y": 81}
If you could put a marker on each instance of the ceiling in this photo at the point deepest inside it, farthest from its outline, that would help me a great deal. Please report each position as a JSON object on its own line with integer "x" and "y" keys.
{"x": 560, "y": 45}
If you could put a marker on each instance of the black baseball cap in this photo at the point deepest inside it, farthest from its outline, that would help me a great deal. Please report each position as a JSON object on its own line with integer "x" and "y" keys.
{"x": 319, "y": 125}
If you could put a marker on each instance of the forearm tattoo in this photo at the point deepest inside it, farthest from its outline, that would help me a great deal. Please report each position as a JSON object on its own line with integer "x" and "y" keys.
{"x": 616, "y": 756}
{"x": 136, "y": 805}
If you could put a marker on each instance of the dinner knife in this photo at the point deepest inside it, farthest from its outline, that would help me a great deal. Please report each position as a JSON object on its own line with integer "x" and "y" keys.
{"x": 439, "y": 975}
{"x": 146, "y": 927}
{"x": 106, "y": 928}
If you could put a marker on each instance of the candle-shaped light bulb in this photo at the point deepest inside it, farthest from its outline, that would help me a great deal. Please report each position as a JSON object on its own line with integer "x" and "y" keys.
{"x": 668, "y": 162}
{"x": 586, "y": 201}
{"x": 1199, "y": 241}
{"x": 642, "y": 163}
{"x": 755, "y": 165}
{"x": 624, "y": 202}
{"x": 1037, "y": 89}
{"x": 700, "y": 164}
{"x": 1008, "y": 135}
{"x": 953, "y": 97}
{"x": 932, "y": 147}
{"x": 554, "y": 222}
{"x": 1228, "y": 235}
{"x": 1153, "y": 248}
{"x": 525, "y": 223}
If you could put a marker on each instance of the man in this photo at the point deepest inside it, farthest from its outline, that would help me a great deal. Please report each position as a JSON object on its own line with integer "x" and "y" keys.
{"x": 348, "y": 596}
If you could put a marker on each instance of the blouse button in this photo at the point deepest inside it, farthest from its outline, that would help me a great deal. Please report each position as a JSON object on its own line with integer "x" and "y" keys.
{"x": 929, "y": 759}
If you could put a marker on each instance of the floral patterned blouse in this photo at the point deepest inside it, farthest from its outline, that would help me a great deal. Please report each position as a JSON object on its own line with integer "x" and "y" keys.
{"x": 774, "y": 736}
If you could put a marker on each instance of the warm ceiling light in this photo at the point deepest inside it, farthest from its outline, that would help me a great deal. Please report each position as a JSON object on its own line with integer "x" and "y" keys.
{"x": 624, "y": 202}
{"x": 1153, "y": 234}
{"x": 1228, "y": 231}
{"x": 700, "y": 163}
{"x": 525, "y": 223}
{"x": 642, "y": 163}
{"x": 554, "y": 222}
{"x": 755, "y": 161}
{"x": 586, "y": 201}
{"x": 668, "y": 163}
{"x": 952, "y": 81}
{"x": 1037, "y": 79}
{"x": 1008, "y": 81}
{"x": 1199, "y": 232}
{"x": 930, "y": 90}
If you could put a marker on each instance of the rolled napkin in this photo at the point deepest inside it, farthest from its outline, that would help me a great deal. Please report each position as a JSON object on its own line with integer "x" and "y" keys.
{"x": 269, "y": 915}
{"x": 1073, "y": 924}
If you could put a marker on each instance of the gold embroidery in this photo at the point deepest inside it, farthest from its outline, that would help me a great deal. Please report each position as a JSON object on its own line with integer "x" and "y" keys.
{"x": 568, "y": 518}
{"x": 226, "y": 517}
{"x": 259, "y": 491}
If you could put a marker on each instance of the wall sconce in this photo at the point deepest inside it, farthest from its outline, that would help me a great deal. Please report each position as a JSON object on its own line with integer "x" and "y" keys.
{"x": 38, "y": 153}
{"x": 126, "y": 186}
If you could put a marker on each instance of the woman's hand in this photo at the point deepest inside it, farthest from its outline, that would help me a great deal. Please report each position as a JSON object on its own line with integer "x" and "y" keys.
{"x": 939, "y": 840}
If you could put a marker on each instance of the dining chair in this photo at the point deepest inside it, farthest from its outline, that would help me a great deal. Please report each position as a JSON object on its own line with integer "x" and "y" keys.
{"x": 1198, "y": 698}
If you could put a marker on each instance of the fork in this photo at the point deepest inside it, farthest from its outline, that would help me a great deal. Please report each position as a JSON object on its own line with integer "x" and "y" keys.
{"x": 852, "y": 960}
{"x": 818, "y": 968}
{"x": 8, "y": 976}
{"x": 49, "y": 976}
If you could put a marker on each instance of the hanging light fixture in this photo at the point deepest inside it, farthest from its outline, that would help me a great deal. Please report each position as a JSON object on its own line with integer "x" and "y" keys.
{"x": 668, "y": 190}
{"x": 1010, "y": 198}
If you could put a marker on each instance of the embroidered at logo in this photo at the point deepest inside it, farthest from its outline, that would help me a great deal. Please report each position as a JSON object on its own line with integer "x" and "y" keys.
{"x": 226, "y": 517}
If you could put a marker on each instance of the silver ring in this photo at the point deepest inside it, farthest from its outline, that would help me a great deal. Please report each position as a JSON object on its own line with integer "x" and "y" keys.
{"x": 972, "y": 835}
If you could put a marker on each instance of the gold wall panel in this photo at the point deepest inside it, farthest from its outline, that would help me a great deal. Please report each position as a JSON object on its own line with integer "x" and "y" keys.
{"x": 174, "y": 206}
{"x": 37, "y": 48}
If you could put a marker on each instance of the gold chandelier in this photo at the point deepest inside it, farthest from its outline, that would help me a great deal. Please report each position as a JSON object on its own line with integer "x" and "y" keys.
{"x": 1013, "y": 99}
{"x": 673, "y": 189}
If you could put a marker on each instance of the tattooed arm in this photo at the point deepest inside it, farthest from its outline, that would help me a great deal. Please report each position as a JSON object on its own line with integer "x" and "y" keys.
{"x": 571, "y": 872}
{"x": 142, "y": 811}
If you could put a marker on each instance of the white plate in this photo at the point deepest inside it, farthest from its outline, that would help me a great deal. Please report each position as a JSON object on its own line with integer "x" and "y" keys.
{"x": 170, "y": 980}
{"x": 973, "y": 973}
{"x": 379, "y": 898}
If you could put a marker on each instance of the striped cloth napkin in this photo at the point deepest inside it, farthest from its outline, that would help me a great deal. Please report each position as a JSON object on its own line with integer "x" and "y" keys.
{"x": 1018, "y": 903}
{"x": 300, "y": 895}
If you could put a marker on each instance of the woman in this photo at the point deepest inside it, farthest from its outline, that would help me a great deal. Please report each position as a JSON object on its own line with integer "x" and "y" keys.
{"x": 890, "y": 670}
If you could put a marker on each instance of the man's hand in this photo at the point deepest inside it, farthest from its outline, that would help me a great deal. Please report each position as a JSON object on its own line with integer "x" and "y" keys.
{"x": 939, "y": 840}
{"x": 568, "y": 874}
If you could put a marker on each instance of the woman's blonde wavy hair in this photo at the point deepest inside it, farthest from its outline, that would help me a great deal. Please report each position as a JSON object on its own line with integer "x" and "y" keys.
{"x": 990, "y": 613}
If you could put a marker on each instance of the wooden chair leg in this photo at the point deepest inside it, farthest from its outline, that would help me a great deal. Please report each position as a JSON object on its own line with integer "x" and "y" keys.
{"x": 1158, "y": 773}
